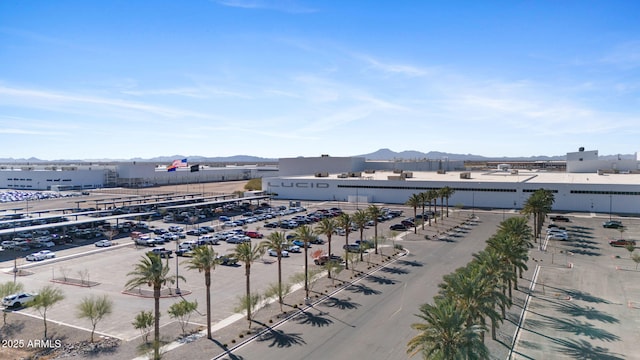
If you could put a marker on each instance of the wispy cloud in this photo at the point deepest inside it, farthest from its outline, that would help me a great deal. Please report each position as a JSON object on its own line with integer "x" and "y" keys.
{"x": 64, "y": 101}
{"x": 192, "y": 92}
{"x": 626, "y": 55}
{"x": 288, "y": 6}
{"x": 394, "y": 68}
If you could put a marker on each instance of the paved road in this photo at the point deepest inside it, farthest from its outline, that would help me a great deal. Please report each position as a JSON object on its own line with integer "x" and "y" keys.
{"x": 372, "y": 318}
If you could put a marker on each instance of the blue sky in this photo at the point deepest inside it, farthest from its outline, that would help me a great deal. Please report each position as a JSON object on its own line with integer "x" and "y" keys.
{"x": 283, "y": 78}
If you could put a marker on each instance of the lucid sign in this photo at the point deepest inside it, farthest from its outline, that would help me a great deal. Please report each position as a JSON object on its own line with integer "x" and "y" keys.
{"x": 301, "y": 185}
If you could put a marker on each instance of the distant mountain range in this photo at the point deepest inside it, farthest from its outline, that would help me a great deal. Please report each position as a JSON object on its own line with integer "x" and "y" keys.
{"x": 382, "y": 154}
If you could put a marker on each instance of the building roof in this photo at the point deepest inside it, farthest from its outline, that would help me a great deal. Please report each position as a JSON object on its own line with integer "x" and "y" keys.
{"x": 521, "y": 176}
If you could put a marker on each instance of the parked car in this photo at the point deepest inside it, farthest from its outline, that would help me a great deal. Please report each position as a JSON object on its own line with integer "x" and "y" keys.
{"x": 352, "y": 248}
{"x": 227, "y": 260}
{"x": 324, "y": 258}
{"x": 254, "y": 234}
{"x": 18, "y": 299}
{"x": 622, "y": 242}
{"x": 399, "y": 227}
{"x": 300, "y": 243}
{"x": 184, "y": 252}
{"x": 238, "y": 239}
{"x": 194, "y": 232}
{"x": 560, "y": 218}
{"x": 41, "y": 255}
{"x": 273, "y": 252}
{"x": 208, "y": 239}
{"x": 103, "y": 243}
{"x": 293, "y": 248}
{"x": 162, "y": 252}
{"x": 557, "y": 236}
{"x": 612, "y": 224}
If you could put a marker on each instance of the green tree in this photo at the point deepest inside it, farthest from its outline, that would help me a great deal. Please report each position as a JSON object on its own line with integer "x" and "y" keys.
{"x": 306, "y": 235}
{"x": 432, "y": 197}
{"x": 247, "y": 253}
{"x": 46, "y": 298}
{"x": 497, "y": 272}
{"x": 182, "y": 311}
{"x": 152, "y": 272}
{"x": 326, "y": 227}
{"x": 95, "y": 308}
{"x": 414, "y": 201}
{"x": 474, "y": 293}
{"x": 344, "y": 221}
{"x": 204, "y": 259}
{"x": 539, "y": 205}
{"x": 360, "y": 219}
{"x": 375, "y": 212}
{"x": 7, "y": 289}
{"x": 444, "y": 334}
{"x": 511, "y": 252}
{"x": 253, "y": 184}
{"x": 636, "y": 259}
{"x": 144, "y": 322}
{"x": 277, "y": 241}
{"x": 447, "y": 192}
{"x": 424, "y": 199}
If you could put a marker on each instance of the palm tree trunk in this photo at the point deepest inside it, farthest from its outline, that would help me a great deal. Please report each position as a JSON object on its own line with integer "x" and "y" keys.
{"x": 375, "y": 235}
{"x": 346, "y": 252}
{"x": 306, "y": 269}
{"x": 280, "y": 280}
{"x": 207, "y": 283}
{"x": 329, "y": 253}
{"x": 156, "y": 322}
{"x": 247, "y": 274}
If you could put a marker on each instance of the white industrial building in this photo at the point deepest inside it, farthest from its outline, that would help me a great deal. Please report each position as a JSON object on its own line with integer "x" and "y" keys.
{"x": 134, "y": 174}
{"x": 594, "y": 185}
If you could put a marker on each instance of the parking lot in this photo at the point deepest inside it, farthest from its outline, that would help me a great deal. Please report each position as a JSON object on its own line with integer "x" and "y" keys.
{"x": 584, "y": 296}
{"x": 104, "y": 271}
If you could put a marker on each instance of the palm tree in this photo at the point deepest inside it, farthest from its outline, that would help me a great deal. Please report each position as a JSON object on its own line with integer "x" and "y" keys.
{"x": 441, "y": 196}
{"x": 248, "y": 253}
{"x": 277, "y": 241}
{"x": 152, "y": 272}
{"x": 344, "y": 221}
{"x": 444, "y": 334}
{"x": 326, "y": 227}
{"x": 473, "y": 292}
{"x": 360, "y": 219}
{"x": 447, "y": 192}
{"x": 539, "y": 205}
{"x": 424, "y": 198}
{"x": 375, "y": 213}
{"x": 414, "y": 202}
{"x": 512, "y": 252}
{"x": 204, "y": 259}
{"x": 432, "y": 195}
{"x": 494, "y": 270}
{"x": 306, "y": 235}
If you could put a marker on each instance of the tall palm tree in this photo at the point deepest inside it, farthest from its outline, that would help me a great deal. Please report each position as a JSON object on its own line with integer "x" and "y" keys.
{"x": 424, "y": 198}
{"x": 432, "y": 195}
{"x": 475, "y": 293}
{"x": 306, "y": 235}
{"x": 152, "y": 272}
{"x": 447, "y": 192}
{"x": 204, "y": 259}
{"x": 494, "y": 270}
{"x": 441, "y": 196}
{"x": 344, "y": 221}
{"x": 444, "y": 334}
{"x": 247, "y": 253}
{"x": 326, "y": 227}
{"x": 512, "y": 253}
{"x": 414, "y": 202}
{"x": 375, "y": 213}
{"x": 277, "y": 241}
{"x": 539, "y": 205}
{"x": 360, "y": 219}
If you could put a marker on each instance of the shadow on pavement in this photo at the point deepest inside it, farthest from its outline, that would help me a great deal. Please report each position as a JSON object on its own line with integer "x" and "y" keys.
{"x": 587, "y": 311}
{"x": 365, "y": 290}
{"x": 394, "y": 270}
{"x": 582, "y": 349}
{"x": 305, "y": 318}
{"x": 281, "y": 339}
{"x": 380, "y": 280}
{"x": 342, "y": 304}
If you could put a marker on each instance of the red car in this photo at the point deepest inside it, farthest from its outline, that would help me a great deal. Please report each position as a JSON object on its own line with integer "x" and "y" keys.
{"x": 622, "y": 242}
{"x": 254, "y": 234}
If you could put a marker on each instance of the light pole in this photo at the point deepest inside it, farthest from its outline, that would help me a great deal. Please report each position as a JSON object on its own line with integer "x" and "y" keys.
{"x": 610, "y": 202}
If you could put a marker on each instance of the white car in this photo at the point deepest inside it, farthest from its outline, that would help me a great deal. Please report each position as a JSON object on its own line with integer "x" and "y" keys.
{"x": 18, "y": 299}
{"x": 557, "y": 236}
{"x": 103, "y": 243}
{"x": 41, "y": 255}
{"x": 273, "y": 252}
{"x": 294, "y": 249}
